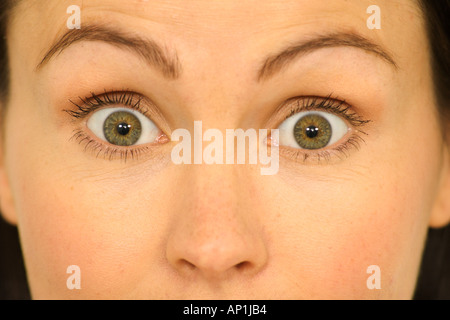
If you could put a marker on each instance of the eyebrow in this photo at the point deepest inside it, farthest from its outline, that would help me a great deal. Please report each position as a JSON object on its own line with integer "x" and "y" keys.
{"x": 277, "y": 62}
{"x": 170, "y": 66}
{"x": 149, "y": 50}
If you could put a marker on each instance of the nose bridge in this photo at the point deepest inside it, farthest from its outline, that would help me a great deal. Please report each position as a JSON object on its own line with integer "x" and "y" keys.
{"x": 213, "y": 216}
{"x": 211, "y": 236}
{"x": 216, "y": 89}
{"x": 215, "y": 189}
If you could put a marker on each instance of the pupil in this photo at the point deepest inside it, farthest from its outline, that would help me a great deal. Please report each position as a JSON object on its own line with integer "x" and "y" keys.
{"x": 123, "y": 128}
{"x": 312, "y": 131}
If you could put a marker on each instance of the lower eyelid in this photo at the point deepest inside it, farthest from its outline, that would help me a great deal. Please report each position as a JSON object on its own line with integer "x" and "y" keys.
{"x": 100, "y": 149}
{"x": 331, "y": 154}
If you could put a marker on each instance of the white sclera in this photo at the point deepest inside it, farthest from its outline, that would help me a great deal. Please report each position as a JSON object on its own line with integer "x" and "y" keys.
{"x": 338, "y": 128}
{"x": 149, "y": 130}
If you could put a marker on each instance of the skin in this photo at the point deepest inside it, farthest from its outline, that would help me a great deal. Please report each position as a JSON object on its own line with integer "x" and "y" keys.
{"x": 149, "y": 229}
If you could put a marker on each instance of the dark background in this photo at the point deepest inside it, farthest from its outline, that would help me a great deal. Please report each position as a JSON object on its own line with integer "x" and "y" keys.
{"x": 13, "y": 284}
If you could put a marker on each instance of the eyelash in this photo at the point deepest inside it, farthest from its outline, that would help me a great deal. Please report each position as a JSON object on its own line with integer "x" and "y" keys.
{"x": 335, "y": 106}
{"x": 90, "y": 104}
{"x": 330, "y": 105}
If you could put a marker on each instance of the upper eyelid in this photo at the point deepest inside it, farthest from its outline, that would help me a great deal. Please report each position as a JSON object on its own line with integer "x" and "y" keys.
{"x": 312, "y": 103}
{"x": 85, "y": 106}
{"x": 327, "y": 104}
{"x": 126, "y": 98}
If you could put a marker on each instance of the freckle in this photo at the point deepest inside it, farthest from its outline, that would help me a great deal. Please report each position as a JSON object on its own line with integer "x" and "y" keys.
{"x": 71, "y": 188}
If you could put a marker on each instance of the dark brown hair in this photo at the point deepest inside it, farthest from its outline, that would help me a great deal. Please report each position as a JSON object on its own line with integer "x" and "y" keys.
{"x": 434, "y": 276}
{"x": 437, "y": 15}
{"x": 5, "y": 7}
{"x": 13, "y": 281}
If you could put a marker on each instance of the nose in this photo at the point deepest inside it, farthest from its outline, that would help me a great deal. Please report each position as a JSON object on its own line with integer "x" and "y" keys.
{"x": 214, "y": 235}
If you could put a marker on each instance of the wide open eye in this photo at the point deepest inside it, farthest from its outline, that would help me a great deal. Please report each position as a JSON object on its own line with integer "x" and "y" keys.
{"x": 123, "y": 126}
{"x": 312, "y": 130}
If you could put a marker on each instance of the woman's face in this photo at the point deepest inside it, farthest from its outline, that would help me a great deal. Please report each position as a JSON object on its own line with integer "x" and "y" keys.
{"x": 150, "y": 228}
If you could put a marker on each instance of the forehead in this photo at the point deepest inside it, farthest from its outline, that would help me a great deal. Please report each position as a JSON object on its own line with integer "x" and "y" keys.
{"x": 227, "y": 19}
{"x": 225, "y": 30}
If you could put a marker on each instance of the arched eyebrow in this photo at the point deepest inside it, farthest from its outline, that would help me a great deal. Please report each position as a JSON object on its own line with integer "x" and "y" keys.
{"x": 169, "y": 64}
{"x": 275, "y": 63}
{"x": 149, "y": 50}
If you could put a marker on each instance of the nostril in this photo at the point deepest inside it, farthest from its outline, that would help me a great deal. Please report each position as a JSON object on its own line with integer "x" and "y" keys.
{"x": 189, "y": 266}
{"x": 186, "y": 264}
{"x": 243, "y": 265}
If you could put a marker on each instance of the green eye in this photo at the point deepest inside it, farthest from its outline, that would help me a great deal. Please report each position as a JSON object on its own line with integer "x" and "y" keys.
{"x": 122, "y": 128}
{"x": 312, "y": 132}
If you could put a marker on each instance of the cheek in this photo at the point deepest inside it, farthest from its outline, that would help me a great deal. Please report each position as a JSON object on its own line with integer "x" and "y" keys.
{"x": 115, "y": 246}
{"x": 59, "y": 232}
{"x": 326, "y": 246}
{"x": 336, "y": 226}
{"x": 388, "y": 235}
{"x": 113, "y": 234}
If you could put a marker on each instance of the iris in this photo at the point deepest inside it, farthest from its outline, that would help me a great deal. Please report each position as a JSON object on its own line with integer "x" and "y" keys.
{"x": 312, "y": 132}
{"x": 122, "y": 128}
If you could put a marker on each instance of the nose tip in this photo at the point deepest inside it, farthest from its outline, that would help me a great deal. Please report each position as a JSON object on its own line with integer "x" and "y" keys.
{"x": 216, "y": 251}
{"x": 216, "y": 260}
